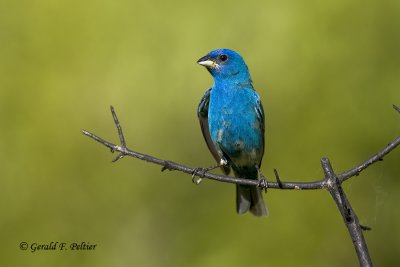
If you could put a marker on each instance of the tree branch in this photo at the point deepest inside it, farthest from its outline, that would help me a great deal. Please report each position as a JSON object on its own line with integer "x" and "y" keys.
{"x": 349, "y": 216}
{"x": 332, "y": 182}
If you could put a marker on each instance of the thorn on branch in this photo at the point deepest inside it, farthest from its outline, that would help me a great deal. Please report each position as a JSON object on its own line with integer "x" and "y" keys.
{"x": 365, "y": 228}
{"x": 396, "y": 108}
{"x": 278, "y": 180}
{"x": 167, "y": 166}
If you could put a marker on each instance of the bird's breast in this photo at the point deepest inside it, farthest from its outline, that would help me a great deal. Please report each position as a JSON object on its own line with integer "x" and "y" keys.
{"x": 235, "y": 129}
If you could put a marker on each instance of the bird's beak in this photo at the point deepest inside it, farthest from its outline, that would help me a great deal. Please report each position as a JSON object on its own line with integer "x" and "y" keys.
{"x": 206, "y": 61}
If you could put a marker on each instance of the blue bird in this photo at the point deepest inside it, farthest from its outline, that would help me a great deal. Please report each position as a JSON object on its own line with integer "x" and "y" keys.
{"x": 232, "y": 121}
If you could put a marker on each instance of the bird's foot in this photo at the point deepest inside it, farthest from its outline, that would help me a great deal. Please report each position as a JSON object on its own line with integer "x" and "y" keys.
{"x": 263, "y": 183}
{"x": 199, "y": 173}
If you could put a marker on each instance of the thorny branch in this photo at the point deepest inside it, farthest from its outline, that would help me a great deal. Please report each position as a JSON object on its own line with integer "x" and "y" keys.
{"x": 332, "y": 181}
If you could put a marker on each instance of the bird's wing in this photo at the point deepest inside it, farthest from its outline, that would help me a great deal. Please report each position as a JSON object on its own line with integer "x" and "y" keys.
{"x": 202, "y": 113}
{"x": 261, "y": 119}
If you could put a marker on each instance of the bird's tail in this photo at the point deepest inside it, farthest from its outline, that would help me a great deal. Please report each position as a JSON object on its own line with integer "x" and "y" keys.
{"x": 249, "y": 197}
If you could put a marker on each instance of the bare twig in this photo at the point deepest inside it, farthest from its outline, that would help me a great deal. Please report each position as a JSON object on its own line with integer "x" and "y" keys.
{"x": 332, "y": 182}
{"x": 348, "y": 214}
{"x": 170, "y": 165}
{"x": 374, "y": 158}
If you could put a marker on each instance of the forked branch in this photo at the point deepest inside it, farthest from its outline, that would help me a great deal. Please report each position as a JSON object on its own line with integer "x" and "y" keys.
{"x": 332, "y": 181}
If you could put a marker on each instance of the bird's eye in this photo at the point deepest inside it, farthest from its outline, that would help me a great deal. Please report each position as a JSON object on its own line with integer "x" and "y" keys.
{"x": 223, "y": 57}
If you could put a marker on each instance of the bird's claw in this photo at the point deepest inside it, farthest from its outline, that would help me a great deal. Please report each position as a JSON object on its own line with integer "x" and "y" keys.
{"x": 263, "y": 184}
{"x": 198, "y": 174}
{"x": 263, "y": 180}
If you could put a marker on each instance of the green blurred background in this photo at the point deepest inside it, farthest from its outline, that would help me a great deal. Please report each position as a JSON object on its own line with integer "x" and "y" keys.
{"x": 327, "y": 71}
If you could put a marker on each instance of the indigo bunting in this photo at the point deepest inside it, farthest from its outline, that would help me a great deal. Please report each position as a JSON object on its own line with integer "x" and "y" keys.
{"x": 232, "y": 121}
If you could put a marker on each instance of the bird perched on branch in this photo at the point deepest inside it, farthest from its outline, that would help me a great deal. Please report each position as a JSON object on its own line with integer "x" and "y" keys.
{"x": 232, "y": 121}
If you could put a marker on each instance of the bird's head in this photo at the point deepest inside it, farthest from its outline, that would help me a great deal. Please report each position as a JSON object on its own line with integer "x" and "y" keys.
{"x": 225, "y": 64}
